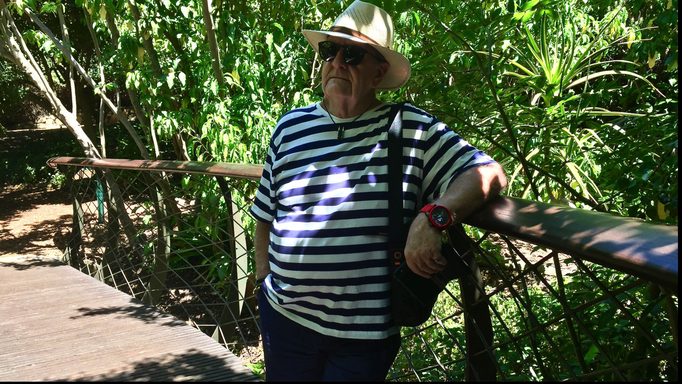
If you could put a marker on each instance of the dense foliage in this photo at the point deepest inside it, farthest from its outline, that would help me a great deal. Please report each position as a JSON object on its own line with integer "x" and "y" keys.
{"x": 577, "y": 99}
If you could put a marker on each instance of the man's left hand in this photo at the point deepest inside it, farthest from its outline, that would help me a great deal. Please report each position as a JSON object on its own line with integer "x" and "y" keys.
{"x": 422, "y": 250}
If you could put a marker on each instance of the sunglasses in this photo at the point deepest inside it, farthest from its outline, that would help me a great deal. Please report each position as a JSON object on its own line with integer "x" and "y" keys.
{"x": 352, "y": 54}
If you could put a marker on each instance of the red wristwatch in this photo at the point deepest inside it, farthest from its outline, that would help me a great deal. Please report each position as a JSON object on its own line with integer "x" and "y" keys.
{"x": 438, "y": 215}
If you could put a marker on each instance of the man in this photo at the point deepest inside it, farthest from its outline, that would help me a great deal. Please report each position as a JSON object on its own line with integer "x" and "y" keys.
{"x": 323, "y": 203}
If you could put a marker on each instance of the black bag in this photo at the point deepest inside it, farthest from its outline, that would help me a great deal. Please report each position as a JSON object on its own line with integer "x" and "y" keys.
{"x": 412, "y": 296}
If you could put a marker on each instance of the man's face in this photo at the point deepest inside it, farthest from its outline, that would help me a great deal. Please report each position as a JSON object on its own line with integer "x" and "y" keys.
{"x": 343, "y": 81}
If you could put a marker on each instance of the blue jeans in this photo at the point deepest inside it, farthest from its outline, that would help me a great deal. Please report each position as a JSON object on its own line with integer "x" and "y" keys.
{"x": 297, "y": 353}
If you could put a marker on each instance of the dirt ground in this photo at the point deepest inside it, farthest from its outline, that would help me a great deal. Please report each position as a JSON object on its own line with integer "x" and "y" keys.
{"x": 33, "y": 221}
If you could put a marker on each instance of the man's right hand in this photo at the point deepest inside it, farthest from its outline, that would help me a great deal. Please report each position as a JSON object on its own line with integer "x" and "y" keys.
{"x": 261, "y": 243}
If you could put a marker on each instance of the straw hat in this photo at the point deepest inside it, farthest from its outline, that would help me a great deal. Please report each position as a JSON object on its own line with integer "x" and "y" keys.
{"x": 369, "y": 24}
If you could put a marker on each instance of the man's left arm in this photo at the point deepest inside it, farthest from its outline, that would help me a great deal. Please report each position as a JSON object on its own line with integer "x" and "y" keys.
{"x": 470, "y": 190}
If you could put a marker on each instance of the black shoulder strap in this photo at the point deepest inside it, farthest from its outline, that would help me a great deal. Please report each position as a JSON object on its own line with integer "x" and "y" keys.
{"x": 395, "y": 180}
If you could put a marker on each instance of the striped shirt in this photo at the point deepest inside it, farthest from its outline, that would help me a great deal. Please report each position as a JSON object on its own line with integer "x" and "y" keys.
{"x": 327, "y": 201}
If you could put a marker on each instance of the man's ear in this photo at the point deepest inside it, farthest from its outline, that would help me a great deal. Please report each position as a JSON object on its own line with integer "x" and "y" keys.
{"x": 381, "y": 72}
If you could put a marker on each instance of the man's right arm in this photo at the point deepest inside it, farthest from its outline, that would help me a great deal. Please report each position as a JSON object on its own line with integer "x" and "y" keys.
{"x": 262, "y": 242}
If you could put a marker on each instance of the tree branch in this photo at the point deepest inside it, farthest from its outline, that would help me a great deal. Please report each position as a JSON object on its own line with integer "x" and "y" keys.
{"x": 91, "y": 83}
{"x": 15, "y": 46}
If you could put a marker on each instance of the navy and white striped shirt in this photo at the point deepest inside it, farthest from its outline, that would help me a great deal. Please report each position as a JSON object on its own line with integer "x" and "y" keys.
{"x": 327, "y": 200}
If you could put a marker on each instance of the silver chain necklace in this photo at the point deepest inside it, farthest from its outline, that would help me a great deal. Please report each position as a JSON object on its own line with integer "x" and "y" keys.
{"x": 339, "y": 127}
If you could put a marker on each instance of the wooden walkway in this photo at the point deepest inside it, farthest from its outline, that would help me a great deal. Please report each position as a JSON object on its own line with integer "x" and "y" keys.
{"x": 57, "y": 324}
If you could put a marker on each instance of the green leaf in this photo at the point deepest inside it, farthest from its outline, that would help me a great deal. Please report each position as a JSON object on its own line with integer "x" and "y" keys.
{"x": 575, "y": 172}
{"x": 170, "y": 79}
{"x": 612, "y": 72}
{"x": 49, "y": 7}
{"x": 529, "y": 5}
{"x": 591, "y": 353}
{"x": 416, "y": 18}
{"x": 511, "y": 6}
{"x": 523, "y": 16}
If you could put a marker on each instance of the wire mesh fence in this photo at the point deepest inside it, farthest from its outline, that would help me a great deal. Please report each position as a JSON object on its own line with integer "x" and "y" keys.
{"x": 177, "y": 241}
{"x": 179, "y": 236}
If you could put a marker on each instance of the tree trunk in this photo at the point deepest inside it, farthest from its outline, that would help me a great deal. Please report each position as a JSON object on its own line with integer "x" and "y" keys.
{"x": 84, "y": 97}
{"x": 212, "y": 43}
{"x": 65, "y": 36}
{"x": 102, "y": 82}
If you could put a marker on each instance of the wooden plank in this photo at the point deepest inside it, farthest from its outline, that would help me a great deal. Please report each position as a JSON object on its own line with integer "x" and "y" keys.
{"x": 59, "y": 324}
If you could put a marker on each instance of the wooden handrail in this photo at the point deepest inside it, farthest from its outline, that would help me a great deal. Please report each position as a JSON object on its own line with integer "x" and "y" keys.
{"x": 629, "y": 245}
{"x": 242, "y": 171}
{"x": 626, "y": 244}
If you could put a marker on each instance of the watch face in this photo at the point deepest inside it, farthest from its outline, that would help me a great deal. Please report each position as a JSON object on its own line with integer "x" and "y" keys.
{"x": 440, "y": 216}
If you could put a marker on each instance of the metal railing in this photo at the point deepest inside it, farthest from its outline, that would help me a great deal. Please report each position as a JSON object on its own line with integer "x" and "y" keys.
{"x": 556, "y": 294}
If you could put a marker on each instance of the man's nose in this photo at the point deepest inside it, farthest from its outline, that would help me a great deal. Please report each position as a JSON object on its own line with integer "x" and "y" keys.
{"x": 338, "y": 59}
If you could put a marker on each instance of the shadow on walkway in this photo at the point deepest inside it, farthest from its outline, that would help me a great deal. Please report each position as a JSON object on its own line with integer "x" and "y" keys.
{"x": 33, "y": 221}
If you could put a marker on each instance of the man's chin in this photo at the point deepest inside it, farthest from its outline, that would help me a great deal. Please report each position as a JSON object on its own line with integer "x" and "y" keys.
{"x": 337, "y": 90}
{"x": 338, "y": 82}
